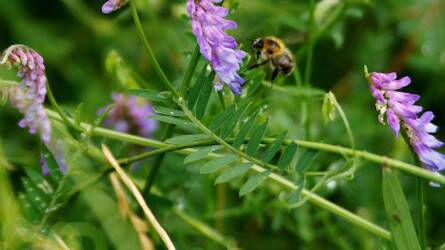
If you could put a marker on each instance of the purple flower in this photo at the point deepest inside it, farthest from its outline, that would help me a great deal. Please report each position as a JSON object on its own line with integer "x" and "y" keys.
{"x": 220, "y": 49}
{"x": 130, "y": 115}
{"x": 28, "y": 97}
{"x": 401, "y": 112}
{"x": 112, "y": 5}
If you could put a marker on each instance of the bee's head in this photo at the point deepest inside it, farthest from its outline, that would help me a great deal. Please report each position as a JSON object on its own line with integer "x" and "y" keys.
{"x": 257, "y": 44}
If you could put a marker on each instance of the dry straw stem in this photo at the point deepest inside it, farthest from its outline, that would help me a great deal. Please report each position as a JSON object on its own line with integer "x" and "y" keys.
{"x": 139, "y": 225}
{"x": 137, "y": 195}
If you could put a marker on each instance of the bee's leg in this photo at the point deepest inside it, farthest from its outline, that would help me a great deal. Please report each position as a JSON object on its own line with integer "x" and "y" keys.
{"x": 256, "y": 65}
{"x": 274, "y": 74}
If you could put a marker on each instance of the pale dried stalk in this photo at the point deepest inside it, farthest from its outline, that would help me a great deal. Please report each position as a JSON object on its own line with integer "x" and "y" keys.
{"x": 137, "y": 195}
{"x": 139, "y": 225}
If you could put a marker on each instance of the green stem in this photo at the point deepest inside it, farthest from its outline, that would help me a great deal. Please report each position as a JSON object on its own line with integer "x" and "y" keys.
{"x": 314, "y": 198}
{"x": 311, "y": 43}
{"x": 396, "y": 164}
{"x": 157, "y": 163}
{"x": 149, "y": 51}
{"x": 345, "y": 123}
{"x": 189, "y": 71}
{"x": 56, "y": 106}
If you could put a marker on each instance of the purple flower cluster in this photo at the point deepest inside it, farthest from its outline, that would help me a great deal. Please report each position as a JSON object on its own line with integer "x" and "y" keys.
{"x": 113, "y": 5}
{"x": 401, "y": 112}
{"x": 29, "y": 95}
{"x": 130, "y": 115}
{"x": 209, "y": 25}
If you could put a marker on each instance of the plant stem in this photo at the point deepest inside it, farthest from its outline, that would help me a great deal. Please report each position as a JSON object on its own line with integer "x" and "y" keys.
{"x": 149, "y": 51}
{"x": 311, "y": 42}
{"x": 396, "y": 164}
{"x": 345, "y": 123}
{"x": 191, "y": 67}
{"x": 314, "y": 198}
{"x": 52, "y": 100}
{"x": 157, "y": 163}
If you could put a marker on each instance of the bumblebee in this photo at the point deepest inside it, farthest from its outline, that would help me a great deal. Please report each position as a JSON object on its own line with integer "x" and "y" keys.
{"x": 271, "y": 50}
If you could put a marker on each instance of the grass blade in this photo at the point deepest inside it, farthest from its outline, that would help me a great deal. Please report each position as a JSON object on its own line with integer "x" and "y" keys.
{"x": 402, "y": 227}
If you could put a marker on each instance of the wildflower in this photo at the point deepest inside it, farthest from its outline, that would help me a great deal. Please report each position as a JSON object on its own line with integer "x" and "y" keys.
{"x": 401, "y": 112}
{"x": 220, "y": 49}
{"x": 112, "y": 5}
{"x": 28, "y": 97}
{"x": 129, "y": 115}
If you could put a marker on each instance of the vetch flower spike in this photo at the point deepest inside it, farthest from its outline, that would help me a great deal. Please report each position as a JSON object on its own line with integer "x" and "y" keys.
{"x": 28, "y": 97}
{"x": 220, "y": 50}
{"x": 130, "y": 115}
{"x": 401, "y": 113}
{"x": 113, "y": 5}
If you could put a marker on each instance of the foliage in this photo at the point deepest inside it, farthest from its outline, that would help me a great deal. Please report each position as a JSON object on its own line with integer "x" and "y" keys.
{"x": 257, "y": 171}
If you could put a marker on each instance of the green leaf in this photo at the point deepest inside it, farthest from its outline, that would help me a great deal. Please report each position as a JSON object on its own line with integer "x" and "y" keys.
{"x": 255, "y": 140}
{"x": 31, "y": 212}
{"x": 204, "y": 96}
{"x": 216, "y": 164}
{"x": 254, "y": 182}
{"x": 37, "y": 198}
{"x": 233, "y": 172}
{"x": 287, "y": 156}
{"x": 77, "y": 114}
{"x": 328, "y": 108}
{"x": 233, "y": 120}
{"x": 306, "y": 160}
{"x": 194, "y": 93}
{"x": 239, "y": 140}
{"x": 39, "y": 182}
{"x": 54, "y": 171}
{"x": 201, "y": 154}
{"x": 151, "y": 95}
{"x": 172, "y": 120}
{"x": 182, "y": 139}
{"x": 295, "y": 196}
{"x": 402, "y": 228}
{"x": 273, "y": 148}
{"x": 167, "y": 111}
{"x": 222, "y": 117}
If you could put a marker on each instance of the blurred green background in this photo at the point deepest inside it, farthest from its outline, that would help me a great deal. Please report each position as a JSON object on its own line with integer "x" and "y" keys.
{"x": 76, "y": 39}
